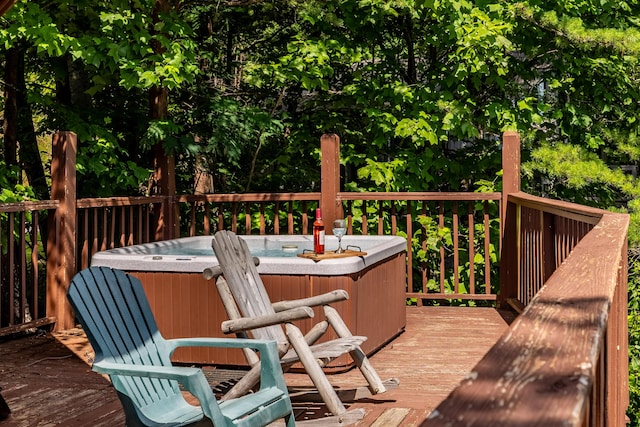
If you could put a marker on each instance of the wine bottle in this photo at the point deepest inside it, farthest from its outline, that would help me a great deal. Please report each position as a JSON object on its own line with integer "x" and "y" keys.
{"x": 318, "y": 233}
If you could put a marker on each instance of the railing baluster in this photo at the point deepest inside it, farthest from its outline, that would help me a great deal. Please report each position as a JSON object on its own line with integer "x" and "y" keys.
{"x": 409, "y": 222}
{"x": 305, "y": 218}
{"x": 11, "y": 272}
{"x": 365, "y": 225}
{"x": 138, "y": 224}
{"x": 456, "y": 249}
{"x": 122, "y": 222}
{"x": 221, "y": 216}
{"x": 262, "y": 223}
{"x": 83, "y": 238}
{"x": 424, "y": 266}
{"x": 487, "y": 249}
{"x": 23, "y": 267}
{"x": 442, "y": 258}
{"x": 247, "y": 218}
{"x": 234, "y": 217}
{"x": 35, "y": 309}
{"x": 471, "y": 245}
{"x": 206, "y": 221}
{"x": 118, "y": 217}
{"x": 100, "y": 228}
{"x": 112, "y": 229}
{"x": 394, "y": 219}
{"x": 130, "y": 226}
{"x": 192, "y": 222}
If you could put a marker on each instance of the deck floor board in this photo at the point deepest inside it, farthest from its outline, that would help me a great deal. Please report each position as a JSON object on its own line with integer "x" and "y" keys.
{"x": 46, "y": 381}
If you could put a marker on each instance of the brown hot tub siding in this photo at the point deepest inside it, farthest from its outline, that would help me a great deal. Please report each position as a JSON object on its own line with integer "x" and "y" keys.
{"x": 185, "y": 304}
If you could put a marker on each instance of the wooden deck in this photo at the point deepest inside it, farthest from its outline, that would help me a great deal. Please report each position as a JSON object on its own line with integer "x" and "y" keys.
{"x": 46, "y": 381}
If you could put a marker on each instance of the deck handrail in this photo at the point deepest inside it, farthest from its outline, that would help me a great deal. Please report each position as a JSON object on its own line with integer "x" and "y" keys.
{"x": 463, "y": 269}
{"x": 23, "y": 227}
{"x": 564, "y": 360}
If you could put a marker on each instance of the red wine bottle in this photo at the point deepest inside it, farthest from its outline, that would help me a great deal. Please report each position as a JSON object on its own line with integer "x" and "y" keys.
{"x": 318, "y": 233}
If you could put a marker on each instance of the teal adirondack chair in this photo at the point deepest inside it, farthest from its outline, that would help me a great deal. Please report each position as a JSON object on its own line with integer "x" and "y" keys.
{"x": 115, "y": 314}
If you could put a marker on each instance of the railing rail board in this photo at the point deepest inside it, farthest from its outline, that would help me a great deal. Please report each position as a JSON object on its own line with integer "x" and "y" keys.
{"x": 118, "y": 201}
{"x": 29, "y": 206}
{"x": 560, "y": 208}
{"x": 247, "y": 197}
{"x": 418, "y": 195}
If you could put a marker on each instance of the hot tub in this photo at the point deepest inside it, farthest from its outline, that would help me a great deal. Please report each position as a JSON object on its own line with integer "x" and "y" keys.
{"x": 185, "y": 304}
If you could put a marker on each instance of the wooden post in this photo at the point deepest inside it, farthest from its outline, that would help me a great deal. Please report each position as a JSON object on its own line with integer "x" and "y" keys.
{"x": 330, "y": 180}
{"x": 61, "y": 242}
{"x": 5, "y": 5}
{"x": 167, "y": 219}
{"x": 510, "y": 165}
{"x": 509, "y": 241}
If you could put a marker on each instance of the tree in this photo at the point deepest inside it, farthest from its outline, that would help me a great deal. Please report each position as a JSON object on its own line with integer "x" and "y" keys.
{"x": 90, "y": 62}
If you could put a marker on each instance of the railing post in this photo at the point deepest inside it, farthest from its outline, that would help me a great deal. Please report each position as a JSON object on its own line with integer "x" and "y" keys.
{"x": 61, "y": 242}
{"x": 509, "y": 241}
{"x": 167, "y": 226}
{"x": 510, "y": 165}
{"x": 330, "y": 179}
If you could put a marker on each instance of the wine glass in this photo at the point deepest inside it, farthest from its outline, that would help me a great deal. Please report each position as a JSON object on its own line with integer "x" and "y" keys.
{"x": 339, "y": 230}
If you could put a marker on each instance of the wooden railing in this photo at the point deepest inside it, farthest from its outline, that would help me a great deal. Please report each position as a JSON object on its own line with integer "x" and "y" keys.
{"x": 564, "y": 361}
{"x": 452, "y": 238}
{"x": 451, "y": 251}
{"x": 248, "y": 213}
{"x": 109, "y": 223}
{"x": 562, "y": 265}
{"x": 23, "y": 240}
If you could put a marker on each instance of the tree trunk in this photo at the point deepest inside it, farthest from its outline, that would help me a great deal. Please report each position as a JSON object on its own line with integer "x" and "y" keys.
{"x": 20, "y": 134}
{"x": 10, "y": 149}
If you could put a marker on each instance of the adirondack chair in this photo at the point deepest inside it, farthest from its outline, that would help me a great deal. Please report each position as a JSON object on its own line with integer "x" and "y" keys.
{"x": 116, "y": 316}
{"x": 250, "y": 310}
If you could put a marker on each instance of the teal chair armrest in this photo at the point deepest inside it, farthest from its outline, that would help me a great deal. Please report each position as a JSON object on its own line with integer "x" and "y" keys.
{"x": 271, "y": 373}
{"x": 192, "y": 379}
{"x": 176, "y": 373}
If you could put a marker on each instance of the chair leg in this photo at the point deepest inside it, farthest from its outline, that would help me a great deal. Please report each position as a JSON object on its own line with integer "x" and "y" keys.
{"x": 376, "y": 385}
{"x": 290, "y": 420}
{"x": 245, "y": 384}
{"x": 319, "y": 379}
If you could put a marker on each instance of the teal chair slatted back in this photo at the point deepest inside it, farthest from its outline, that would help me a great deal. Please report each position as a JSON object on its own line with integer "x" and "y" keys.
{"x": 121, "y": 335}
{"x": 115, "y": 314}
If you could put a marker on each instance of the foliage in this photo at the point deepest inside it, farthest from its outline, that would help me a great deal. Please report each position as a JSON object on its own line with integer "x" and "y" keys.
{"x": 348, "y": 63}
{"x": 88, "y": 63}
{"x": 417, "y": 91}
{"x": 11, "y": 193}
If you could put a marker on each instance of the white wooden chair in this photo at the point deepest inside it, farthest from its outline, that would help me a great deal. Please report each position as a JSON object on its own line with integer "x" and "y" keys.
{"x": 251, "y": 312}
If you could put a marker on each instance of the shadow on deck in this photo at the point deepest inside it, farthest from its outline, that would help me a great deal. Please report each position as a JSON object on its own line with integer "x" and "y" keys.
{"x": 45, "y": 379}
